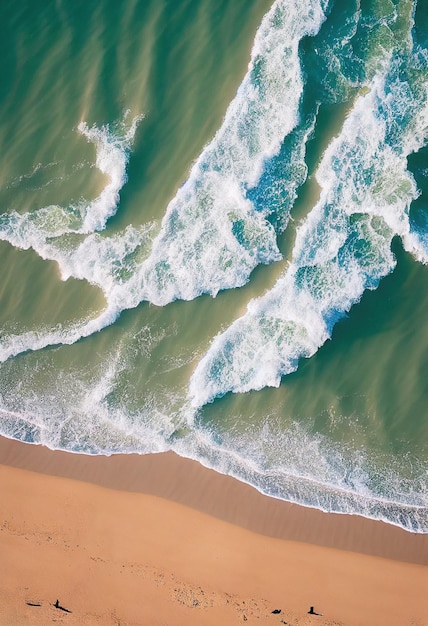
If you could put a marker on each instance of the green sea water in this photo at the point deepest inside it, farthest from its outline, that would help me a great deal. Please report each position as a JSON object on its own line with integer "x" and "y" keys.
{"x": 214, "y": 239}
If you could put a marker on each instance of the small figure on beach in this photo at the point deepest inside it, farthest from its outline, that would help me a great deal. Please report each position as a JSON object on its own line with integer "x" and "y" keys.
{"x": 312, "y": 612}
{"x": 58, "y": 606}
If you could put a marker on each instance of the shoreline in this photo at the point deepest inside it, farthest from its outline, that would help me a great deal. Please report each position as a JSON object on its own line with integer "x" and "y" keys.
{"x": 207, "y": 542}
{"x": 187, "y": 482}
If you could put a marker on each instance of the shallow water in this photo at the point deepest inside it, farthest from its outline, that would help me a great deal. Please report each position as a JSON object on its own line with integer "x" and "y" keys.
{"x": 164, "y": 168}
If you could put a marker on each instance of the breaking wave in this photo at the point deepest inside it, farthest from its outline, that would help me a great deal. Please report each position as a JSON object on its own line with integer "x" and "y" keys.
{"x": 342, "y": 248}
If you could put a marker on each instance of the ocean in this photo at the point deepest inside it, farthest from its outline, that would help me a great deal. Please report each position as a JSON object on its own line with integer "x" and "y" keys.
{"x": 214, "y": 239}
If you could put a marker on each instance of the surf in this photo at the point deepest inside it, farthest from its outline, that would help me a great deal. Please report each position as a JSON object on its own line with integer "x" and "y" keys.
{"x": 212, "y": 235}
{"x": 341, "y": 249}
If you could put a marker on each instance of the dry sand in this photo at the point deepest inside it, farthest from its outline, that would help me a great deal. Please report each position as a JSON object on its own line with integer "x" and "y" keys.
{"x": 157, "y": 540}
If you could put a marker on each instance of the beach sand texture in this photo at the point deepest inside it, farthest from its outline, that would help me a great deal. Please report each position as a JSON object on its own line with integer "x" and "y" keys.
{"x": 158, "y": 539}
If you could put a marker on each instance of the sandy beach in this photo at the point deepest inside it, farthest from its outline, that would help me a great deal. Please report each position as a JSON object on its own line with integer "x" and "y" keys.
{"x": 158, "y": 539}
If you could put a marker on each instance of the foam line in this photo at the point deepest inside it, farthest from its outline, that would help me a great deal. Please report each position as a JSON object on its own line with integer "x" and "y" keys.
{"x": 102, "y": 261}
{"x": 34, "y": 229}
{"x": 112, "y": 157}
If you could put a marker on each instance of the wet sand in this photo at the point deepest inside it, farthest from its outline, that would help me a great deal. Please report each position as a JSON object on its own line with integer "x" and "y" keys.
{"x": 158, "y": 539}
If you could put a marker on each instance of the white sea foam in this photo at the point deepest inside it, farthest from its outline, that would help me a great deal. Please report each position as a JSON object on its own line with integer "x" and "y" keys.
{"x": 343, "y": 247}
{"x": 212, "y": 237}
{"x": 34, "y": 229}
{"x": 106, "y": 262}
{"x": 112, "y": 157}
{"x": 67, "y": 236}
{"x": 308, "y": 469}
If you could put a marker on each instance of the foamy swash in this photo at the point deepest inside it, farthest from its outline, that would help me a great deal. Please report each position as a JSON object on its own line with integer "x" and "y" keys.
{"x": 342, "y": 248}
{"x": 294, "y": 465}
{"x": 309, "y": 469}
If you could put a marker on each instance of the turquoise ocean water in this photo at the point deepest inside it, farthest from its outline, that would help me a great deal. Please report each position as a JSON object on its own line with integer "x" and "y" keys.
{"x": 214, "y": 239}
